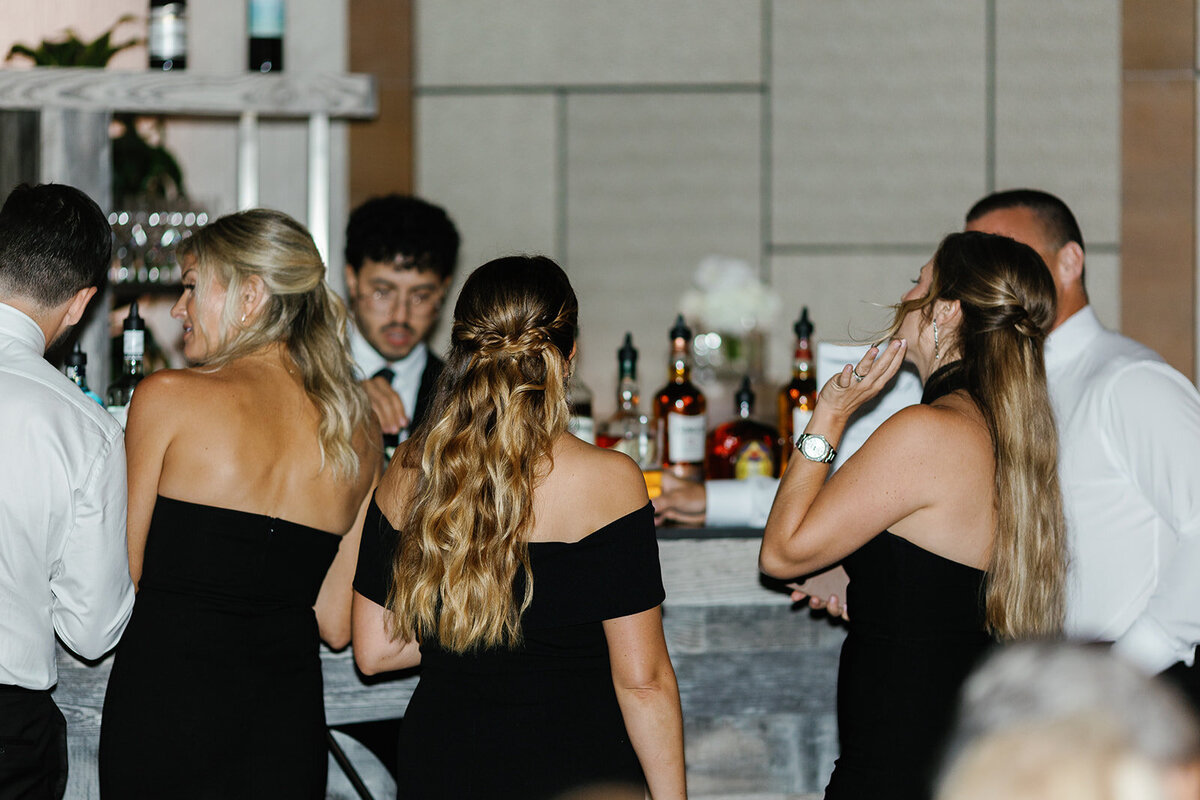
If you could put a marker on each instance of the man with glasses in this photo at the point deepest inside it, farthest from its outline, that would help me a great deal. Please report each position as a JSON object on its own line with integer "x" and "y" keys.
{"x": 400, "y": 257}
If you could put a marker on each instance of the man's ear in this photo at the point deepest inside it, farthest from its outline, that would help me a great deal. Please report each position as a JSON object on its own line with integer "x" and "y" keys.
{"x": 1068, "y": 264}
{"x": 351, "y": 282}
{"x": 78, "y": 304}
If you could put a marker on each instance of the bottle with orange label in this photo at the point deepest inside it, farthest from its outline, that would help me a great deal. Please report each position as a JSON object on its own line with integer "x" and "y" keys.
{"x": 681, "y": 424}
{"x": 743, "y": 448}
{"x": 797, "y": 398}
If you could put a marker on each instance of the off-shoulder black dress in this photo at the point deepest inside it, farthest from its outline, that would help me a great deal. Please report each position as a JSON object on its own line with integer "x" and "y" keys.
{"x": 540, "y": 719}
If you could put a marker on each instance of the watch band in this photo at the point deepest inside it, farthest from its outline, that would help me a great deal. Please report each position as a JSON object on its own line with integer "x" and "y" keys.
{"x": 815, "y": 447}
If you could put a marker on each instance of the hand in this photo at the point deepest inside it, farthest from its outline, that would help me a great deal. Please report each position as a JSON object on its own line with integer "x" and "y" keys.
{"x": 387, "y": 405}
{"x": 681, "y": 501}
{"x": 825, "y": 590}
{"x": 847, "y": 391}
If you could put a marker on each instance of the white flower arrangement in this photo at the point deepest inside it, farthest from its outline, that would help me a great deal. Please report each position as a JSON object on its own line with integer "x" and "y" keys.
{"x": 728, "y": 296}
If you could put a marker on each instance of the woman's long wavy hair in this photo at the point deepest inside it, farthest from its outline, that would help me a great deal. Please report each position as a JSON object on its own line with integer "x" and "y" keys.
{"x": 301, "y": 311}
{"x": 501, "y": 402}
{"x": 1007, "y": 301}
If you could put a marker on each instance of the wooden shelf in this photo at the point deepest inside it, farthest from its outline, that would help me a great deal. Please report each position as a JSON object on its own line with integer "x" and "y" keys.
{"x": 281, "y": 95}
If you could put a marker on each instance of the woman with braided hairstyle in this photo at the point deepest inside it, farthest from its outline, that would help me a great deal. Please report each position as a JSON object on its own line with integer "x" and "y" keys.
{"x": 519, "y": 566}
{"x": 964, "y": 487}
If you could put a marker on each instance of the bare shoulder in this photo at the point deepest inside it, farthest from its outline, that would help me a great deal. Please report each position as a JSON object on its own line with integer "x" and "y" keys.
{"x": 610, "y": 484}
{"x": 931, "y": 427}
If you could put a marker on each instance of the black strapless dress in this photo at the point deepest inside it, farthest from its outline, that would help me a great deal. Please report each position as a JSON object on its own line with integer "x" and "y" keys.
{"x": 216, "y": 688}
{"x": 917, "y": 628}
{"x": 538, "y": 720}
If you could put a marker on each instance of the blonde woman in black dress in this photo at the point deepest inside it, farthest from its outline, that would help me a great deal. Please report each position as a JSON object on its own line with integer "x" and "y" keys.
{"x": 246, "y": 473}
{"x": 519, "y": 566}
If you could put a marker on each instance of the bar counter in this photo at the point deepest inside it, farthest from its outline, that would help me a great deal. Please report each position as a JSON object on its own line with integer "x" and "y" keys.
{"x": 756, "y": 677}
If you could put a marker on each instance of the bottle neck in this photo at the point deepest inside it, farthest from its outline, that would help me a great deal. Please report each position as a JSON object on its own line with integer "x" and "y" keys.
{"x": 802, "y": 360}
{"x": 681, "y": 364}
{"x": 628, "y": 393}
{"x": 77, "y": 376}
{"x": 134, "y": 348}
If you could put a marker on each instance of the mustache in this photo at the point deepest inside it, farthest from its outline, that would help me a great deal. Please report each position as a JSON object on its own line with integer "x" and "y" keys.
{"x": 398, "y": 326}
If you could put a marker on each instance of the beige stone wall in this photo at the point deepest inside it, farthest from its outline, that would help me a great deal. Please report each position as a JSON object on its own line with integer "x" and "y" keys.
{"x": 830, "y": 144}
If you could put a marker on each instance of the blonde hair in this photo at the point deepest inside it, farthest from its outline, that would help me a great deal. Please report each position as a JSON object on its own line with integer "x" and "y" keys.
{"x": 501, "y": 402}
{"x": 1007, "y": 302}
{"x": 301, "y": 311}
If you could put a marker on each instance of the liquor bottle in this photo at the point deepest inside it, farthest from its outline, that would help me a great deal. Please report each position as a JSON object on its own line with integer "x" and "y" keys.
{"x": 743, "y": 448}
{"x": 167, "y": 40}
{"x": 76, "y": 368}
{"x": 579, "y": 397}
{"x": 679, "y": 412}
{"x": 264, "y": 24}
{"x": 797, "y": 399}
{"x": 628, "y": 430}
{"x": 133, "y": 368}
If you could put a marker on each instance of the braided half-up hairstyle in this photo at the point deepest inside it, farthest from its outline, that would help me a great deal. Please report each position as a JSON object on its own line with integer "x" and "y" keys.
{"x": 501, "y": 402}
{"x": 1007, "y": 301}
{"x": 301, "y": 311}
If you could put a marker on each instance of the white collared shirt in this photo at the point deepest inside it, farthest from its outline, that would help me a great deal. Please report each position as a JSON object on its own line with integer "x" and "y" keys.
{"x": 63, "y": 562}
{"x": 407, "y": 371}
{"x": 1129, "y": 463}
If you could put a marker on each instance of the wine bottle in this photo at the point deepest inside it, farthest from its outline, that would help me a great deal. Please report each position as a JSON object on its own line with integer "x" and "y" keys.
{"x": 579, "y": 397}
{"x": 742, "y": 447}
{"x": 797, "y": 398}
{"x": 264, "y": 24}
{"x": 133, "y": 368}
{"x": 75, "y": 366}
{"x": 681, "y": 425}
{"x": 167, "y": 39}
{"x": 628, "y": 430}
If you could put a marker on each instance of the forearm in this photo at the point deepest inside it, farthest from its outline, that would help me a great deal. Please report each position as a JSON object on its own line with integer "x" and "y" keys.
{"x": 654, "y": 721}
{"x": 783, "y": 554}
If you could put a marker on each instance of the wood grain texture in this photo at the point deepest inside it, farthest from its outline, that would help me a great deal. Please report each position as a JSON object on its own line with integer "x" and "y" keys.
{"x": 282, "y": 95}
{"x": 381, "y": 149}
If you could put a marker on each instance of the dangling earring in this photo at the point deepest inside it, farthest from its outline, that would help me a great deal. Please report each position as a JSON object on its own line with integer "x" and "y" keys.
{"x": 936, "y": 355}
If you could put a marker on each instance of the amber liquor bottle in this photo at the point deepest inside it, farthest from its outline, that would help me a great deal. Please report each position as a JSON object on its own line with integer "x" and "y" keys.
{"x": 681, "y": 425}
{"x": 797, "y": 399}
{"x": 743, "y": 448}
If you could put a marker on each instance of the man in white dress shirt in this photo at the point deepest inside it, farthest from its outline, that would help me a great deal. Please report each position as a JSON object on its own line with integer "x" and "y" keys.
{"x": 1129, "y": 439}
{"x": 400, "y": 257}
{"x": 63, "y": 562}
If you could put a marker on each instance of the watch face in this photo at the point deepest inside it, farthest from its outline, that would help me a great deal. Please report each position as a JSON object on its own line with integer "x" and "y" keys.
{"x": 814, "y": 448}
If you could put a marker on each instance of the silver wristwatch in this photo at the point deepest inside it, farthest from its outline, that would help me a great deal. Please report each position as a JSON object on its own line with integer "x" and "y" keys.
{"x": 815, "y": 447}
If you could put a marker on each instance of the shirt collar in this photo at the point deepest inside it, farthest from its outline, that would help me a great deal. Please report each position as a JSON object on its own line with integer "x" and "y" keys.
{"x": 368, "y": 360}
{"x": 1072, "y": 337}
{"x": 18, "y": 325}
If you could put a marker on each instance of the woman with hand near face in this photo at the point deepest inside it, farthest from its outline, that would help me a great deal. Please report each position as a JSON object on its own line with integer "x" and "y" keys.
{"x": 248, "y": 480}
{"x": 964, "y": 488}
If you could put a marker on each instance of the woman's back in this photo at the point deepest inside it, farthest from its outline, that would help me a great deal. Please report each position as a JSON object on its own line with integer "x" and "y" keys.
{"x": 245, "y": 437}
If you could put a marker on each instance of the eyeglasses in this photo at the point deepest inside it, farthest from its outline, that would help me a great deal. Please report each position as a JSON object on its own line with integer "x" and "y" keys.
{"x": 419, "y": 303}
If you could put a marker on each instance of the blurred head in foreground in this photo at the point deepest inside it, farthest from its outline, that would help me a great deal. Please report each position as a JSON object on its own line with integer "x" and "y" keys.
{"x": 1070, "y": 722}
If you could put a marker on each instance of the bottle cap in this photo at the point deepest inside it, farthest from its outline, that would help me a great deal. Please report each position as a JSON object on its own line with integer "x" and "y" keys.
{"x": 744, "y": 394}
{"x": 681, "y": 330}
{"x": 803, "y": 327}
{"x": 76, "y": 358}
{"x": 628, "y": 353}
{"x": 134, "y": 321}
